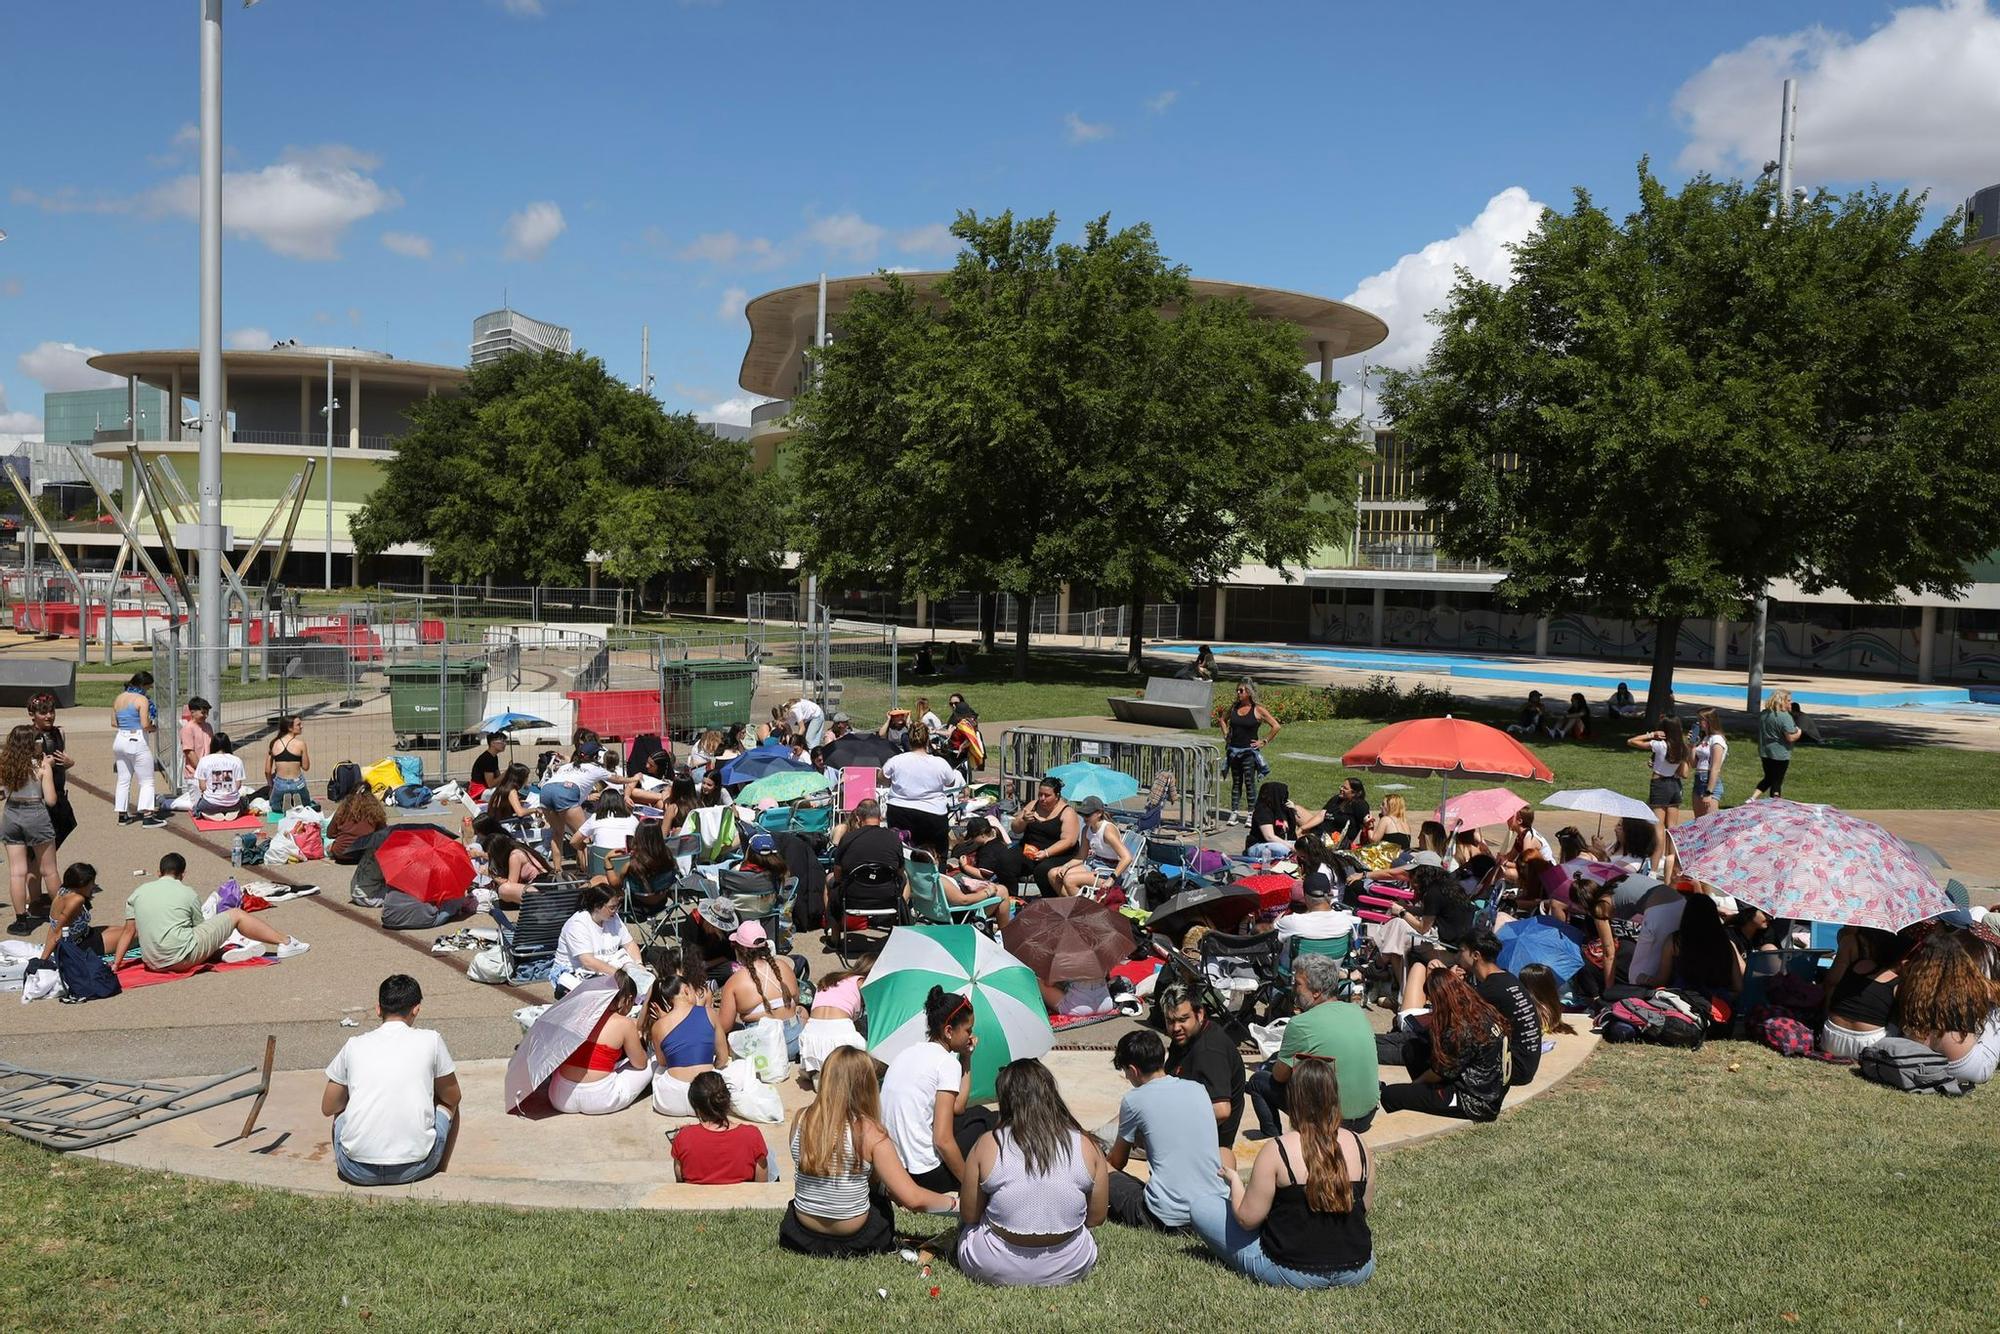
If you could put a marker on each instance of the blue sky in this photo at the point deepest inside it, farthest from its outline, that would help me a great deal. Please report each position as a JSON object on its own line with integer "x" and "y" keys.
{"x": 396, "y": 166}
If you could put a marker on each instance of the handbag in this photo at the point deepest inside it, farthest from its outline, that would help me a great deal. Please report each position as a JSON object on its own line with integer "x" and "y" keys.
{"x": 750, "y": 1098}
{"x": 489, "y": 966}
{"x": 84, "y": 972}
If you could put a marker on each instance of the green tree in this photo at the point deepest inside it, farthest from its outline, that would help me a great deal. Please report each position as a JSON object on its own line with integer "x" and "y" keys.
{"x": 1043, "y": 417}
{"x": 1661, "y": 416}
{"x": 545, "y": 459}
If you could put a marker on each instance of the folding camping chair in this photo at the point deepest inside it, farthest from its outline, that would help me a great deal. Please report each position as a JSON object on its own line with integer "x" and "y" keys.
{"x": 530, "y": 938}
{"x": 858, "y": 784}
{"x": 928, "y": 903}
{"x": 600, "y": 861}
{"x": 873, "y": 893}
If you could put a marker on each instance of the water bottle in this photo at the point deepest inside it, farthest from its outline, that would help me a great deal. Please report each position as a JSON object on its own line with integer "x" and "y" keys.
{"x": 236, "y": 853}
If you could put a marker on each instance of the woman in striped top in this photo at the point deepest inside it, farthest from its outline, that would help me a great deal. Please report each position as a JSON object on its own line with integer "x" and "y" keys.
{"x": 848, "y": 1171}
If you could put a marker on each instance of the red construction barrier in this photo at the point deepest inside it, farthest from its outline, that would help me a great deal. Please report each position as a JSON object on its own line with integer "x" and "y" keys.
{"x": 617, "y": 713}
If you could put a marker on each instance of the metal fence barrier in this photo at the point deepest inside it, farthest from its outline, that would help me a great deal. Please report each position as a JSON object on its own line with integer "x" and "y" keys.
{"x": 1195, "y": 763}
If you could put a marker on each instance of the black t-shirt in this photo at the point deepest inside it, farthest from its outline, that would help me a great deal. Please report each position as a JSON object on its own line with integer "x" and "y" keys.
{"x": 871, "y": 843}
{"x": 1212, "y": 1061}
{"x": 486, "y": 768}
{"x": 1003, "y": 861}
{"x": 1451, "y": 914}
{"x": 1350, "y": 817}
{"x": 1504, "y": 992}
{"x": 52, "y": 742}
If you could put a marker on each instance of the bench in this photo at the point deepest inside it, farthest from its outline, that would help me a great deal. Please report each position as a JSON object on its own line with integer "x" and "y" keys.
{"x": 1168, "y": 702}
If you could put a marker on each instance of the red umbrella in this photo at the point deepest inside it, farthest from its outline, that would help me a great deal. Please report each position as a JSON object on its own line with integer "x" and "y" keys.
{"x": 1447, "y": 746}
{"x": 1272, "y": 890}
{"x": 426, "y": 863}
{"x": 1069, "y": 940}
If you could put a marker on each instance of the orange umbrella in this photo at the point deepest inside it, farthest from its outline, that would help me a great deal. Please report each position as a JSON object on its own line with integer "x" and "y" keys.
{"x": 1446, "y": 746}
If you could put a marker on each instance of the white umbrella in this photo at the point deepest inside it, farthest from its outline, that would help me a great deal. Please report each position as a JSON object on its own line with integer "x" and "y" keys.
{"x": 559, "y": 1031}
{"x": 1598, "y": 801}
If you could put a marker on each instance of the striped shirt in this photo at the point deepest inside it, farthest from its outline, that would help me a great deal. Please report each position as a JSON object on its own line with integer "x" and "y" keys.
{"x": 841, "y": 1196}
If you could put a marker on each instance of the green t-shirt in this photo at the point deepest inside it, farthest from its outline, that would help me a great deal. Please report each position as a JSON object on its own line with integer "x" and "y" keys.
{"x": 1339, "y": 1031}
{"x": 166, "y": 913}
{"x": 1772, "y": 729}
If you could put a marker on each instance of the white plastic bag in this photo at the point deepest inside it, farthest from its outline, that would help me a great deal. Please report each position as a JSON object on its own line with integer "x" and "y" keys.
{"x": 750, "y": 1098}
{"x": 763, "y": 1045}
{"x": 489, "y": 965}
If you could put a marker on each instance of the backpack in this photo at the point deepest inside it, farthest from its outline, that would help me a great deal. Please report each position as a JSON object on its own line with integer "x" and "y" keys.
{"x": 1908, "y": 1065}
{"x": 346, "y": 777}
{"x": 84, "y": 973}
{"x": 411, "y": 796}
{"x": 1663, "y": 1018}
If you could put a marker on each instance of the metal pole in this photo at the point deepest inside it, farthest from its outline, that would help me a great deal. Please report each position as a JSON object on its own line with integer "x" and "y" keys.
{"x": 646, "y": 360}
{"x": 214, "y": 397}
{"x": 329, "y": 474}
{"x": 1760, "y": 609}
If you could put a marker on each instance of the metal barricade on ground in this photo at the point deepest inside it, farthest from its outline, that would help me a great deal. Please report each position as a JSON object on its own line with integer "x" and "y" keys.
{"x": 1195, "y": 763}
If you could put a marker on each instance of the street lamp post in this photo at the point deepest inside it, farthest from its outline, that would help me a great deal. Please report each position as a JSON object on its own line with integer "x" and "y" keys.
{"x": 209, "y": 628}
{"x": 329, "y": 415}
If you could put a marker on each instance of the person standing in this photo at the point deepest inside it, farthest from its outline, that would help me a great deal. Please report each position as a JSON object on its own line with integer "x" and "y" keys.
{"x": 920, "y": 788}
{"x": 1243, "y": 747}
{"x": 1711, "y": 752}
{"x": 1668, "y": 762}
{"x": 28, "y": 778}
{"x": 1169, "y": 1119}
{"x": 1777, "y": 733}
{"x": 393, "y": 1095}
{"x": 42, "y": 717}
{"x": 196, "y": 736}
{"x": 134, "y": 718}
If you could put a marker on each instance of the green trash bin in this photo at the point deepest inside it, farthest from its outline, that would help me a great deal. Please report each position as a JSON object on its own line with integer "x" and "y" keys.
{"x": 701, "y": 695}
{"x": 416, "y": 695}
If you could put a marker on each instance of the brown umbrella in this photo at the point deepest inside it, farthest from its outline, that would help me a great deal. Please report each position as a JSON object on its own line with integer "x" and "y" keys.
{"x": 1069, "y": 940}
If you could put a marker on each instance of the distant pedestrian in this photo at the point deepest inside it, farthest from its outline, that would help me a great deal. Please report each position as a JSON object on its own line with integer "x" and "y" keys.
{"x": 1242, "y": 722}
{"x": 134, "y": 719}
{"x": 1777, "y": 732}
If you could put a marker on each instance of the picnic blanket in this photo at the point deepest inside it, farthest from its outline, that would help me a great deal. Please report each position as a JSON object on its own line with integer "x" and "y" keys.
{"x": 139, "y": 975}
{"x": 248, "y": 821}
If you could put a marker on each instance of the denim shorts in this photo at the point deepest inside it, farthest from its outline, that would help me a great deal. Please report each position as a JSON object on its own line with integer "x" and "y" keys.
{"x": 1704, "y": 791}
{"x": 560, "y": 797}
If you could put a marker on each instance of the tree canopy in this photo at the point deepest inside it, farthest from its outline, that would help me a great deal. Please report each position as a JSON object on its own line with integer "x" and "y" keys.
{"x": 1062, "y": 412}
{"x": 1662, "y": 415}
{"x": 545, "y": 459}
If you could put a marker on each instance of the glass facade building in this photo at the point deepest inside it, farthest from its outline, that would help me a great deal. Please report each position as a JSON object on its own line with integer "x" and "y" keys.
{"x": 74, "y": 416}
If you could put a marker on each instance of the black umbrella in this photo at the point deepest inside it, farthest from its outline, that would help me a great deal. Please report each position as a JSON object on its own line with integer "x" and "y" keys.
{"x": 1224, "y": 905}
{"x": 861, "y": 750}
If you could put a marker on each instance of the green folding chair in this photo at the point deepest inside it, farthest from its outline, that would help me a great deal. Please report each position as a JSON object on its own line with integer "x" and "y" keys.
{"x": 928, "y": 904}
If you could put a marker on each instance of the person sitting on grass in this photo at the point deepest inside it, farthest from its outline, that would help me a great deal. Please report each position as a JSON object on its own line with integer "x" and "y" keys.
{"x": 1033, "y": 1188}
{"x": 925, "y": 1095}
{"x": 393, "y": 1095}
{"x": 712, "y": 1152}
{"x": 1532, "y": 721}
{"x": 609, "y": 1070}
{"x": 1322, "y": 1026}
{"x": 1456, "y": 1058}
{"x": 218, "y": 781}
{"x": 1622, "y": 704}
{"x": 1947, "y": 1002}
{"x": 849, "y": 1175}
{"x": 1699, "y": 955}
{"x": 1861, "y": 991}
{"x": 165, "y": 916}
{"x": 593, "y": 940}
{"x": 1302, "y": 1219}
{"x": 1171, "y": 1120}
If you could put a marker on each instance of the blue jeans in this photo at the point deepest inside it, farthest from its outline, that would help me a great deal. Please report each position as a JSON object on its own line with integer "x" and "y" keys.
{"x": 289, "y": 787}
{"x": 1267, "y": 1099}
{"x": 1240, "y": 1249}
{"x": 402, "y": 1174}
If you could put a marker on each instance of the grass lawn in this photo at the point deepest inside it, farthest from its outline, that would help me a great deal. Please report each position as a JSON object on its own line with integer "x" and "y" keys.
{"x": 1858, "y": 776}
{"x": 1653, "y": 1189}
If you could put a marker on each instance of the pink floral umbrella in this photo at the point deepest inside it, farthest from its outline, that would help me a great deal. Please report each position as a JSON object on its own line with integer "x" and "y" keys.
{"x": 1482, "y": 807}
{"x": 1812, "y": 862}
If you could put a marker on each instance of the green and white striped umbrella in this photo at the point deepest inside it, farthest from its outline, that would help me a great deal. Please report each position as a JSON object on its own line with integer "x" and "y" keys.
{"x": 1007, "y": 1012}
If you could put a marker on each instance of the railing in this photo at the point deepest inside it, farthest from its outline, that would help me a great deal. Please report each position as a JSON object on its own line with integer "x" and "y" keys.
{"x": 1414, "y": 559}
{"x": 764, "y": 414}
{"x": 300, "y": 439}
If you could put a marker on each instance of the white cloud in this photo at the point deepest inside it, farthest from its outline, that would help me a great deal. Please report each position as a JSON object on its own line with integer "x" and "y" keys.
{"x": 68, "y": 199}
{"x": 410, "y": 245}
{"x": 299, "y": 206}
{"x": 933, "y": 238}
{"x": 729, "y": 248}
{"x": 250, "y": 338}
{"x": 23, "y": 422}
{"x": 732, "y": 303}
{"x": 1915, "y": 100}
{"x": 1407, "y": 291}
{"x": 1160, "y": 101}
{"x": 1083, "y": 131}
{"x": 846, "y": 234}
{"x": 529, "y": 232}
{"x": 732, "y": 411}
{"x": 527, "y": 9}
{"x": 60, "y": 366}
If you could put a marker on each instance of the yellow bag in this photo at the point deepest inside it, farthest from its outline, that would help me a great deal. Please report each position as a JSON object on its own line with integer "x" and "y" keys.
{"x": 384, "y": 776}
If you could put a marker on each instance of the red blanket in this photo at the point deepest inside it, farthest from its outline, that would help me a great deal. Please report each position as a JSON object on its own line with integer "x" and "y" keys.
{"x": 138, "y": 975}
{"x": 209, "y": 826}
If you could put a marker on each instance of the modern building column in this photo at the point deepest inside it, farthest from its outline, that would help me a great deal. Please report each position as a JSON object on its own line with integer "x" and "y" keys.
{"x": 1720, "y": 634}
{"x": 1541, "y": 636}
{"x": 591, "y": 565}
{"x": 173, "y": 422}
{"x": 1221, "y": 630}
{"x": 424, "y": 564}
{"x": 1375, "y": 623}
{"x": 354, "y": 408}
{"x": 1927, "y": 644}
{"x": 708, "y": 594}
{"x": 1325, "y": 362}
{"x": 305, "y": 409}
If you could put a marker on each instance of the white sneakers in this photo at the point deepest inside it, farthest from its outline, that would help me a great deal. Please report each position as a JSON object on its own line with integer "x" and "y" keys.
{"x": 243, "y": 953}
{"x": 293, "y": 946}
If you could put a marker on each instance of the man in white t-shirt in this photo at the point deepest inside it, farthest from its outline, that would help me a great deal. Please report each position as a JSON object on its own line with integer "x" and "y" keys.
{"x": 218, "y": 780}
{"x": 1319, "y": 919}
{"x": 393, "y": 1095}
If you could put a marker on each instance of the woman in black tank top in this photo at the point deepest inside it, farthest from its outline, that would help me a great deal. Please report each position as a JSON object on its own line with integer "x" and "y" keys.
{"x": 1049, "y": 831}
{"x": 1244, "y": 752}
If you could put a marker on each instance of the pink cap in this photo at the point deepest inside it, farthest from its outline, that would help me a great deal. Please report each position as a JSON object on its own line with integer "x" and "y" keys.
{"x": 749, "y": 935}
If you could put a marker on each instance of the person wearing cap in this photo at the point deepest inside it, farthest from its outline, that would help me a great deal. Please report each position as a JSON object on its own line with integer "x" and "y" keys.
{"x": 1319, "y": 919}
{"x": 765, "y": 985}
{"x": 1104, "y": 852}
{"x": 486, "y": 765}
{"x": 867, "y": 842}
{"x": 840, "y": 724}
{"x": 1529, "y": 723}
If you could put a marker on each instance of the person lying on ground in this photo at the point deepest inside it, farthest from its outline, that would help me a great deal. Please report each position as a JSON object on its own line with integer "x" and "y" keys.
{"x": 165, "y": 916}
{"x": 393, "y": 1095}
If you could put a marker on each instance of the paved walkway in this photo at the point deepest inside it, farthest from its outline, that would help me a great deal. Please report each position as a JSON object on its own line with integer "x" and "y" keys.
{"x": 605, "y": 1162}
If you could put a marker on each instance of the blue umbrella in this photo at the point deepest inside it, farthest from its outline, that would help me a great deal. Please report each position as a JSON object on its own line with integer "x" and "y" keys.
{"x": 501, "y": 722}
{"x": 1084, "y": 779}
{"x": 762, "y": 763}
{"x": 1540, "y": 940}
